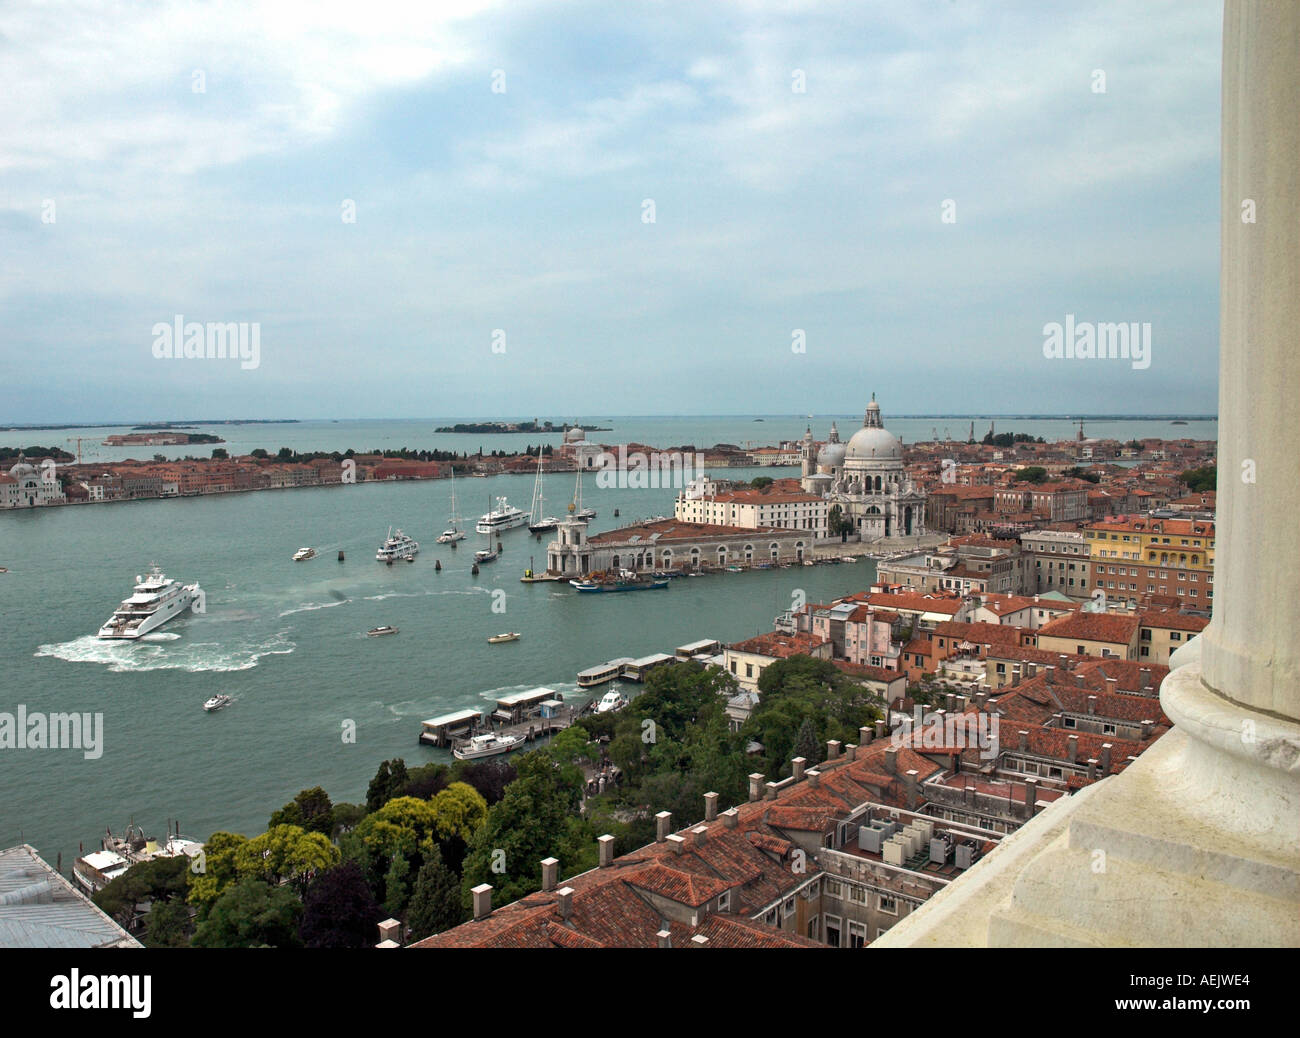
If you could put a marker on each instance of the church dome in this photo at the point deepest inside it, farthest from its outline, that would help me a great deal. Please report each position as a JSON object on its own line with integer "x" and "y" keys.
{"x": 22, "y": 469}
{"x": 575, "y": 435}
{"x": 873, "y": 442}
{"x": 831, "y": 456}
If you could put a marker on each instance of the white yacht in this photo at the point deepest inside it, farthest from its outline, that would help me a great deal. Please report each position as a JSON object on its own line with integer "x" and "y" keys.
{"x": 487, "y": 745}
{"x": 453, "y": 533}
{"x": 611, "y": 701}
{"x": 504, "y": 517}
{"x": 155, "y": 600}
{"x": 397, "y": 546}
{"x": 303, "y": 554}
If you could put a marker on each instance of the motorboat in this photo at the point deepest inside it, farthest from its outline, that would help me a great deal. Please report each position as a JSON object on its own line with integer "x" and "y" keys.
{"x": 217, "y": 702}
{"x": 510, "y": 636}
{"x": 376, "y": 632}
{"x": 487, "y": 745}
{"x": 611, "y": 701}
{"x": 303, "y": 554}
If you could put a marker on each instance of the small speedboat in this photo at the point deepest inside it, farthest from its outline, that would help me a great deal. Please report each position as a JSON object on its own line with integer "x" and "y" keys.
{"x": 509, "y": 636}
{"x": 217, "y": 702}
{"x": 303, "y": 554}
{"x": 375, "y": 632}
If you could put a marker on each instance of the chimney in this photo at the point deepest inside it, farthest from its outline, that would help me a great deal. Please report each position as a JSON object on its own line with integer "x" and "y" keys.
{"x": 1112, "y": 685}
{"x": 891, "y": 760}
{"x": 961, "y": 704}
{"x": 482, "y": 901}
{"x": 1105, "y": 759}
{"x": 700, "y": 941}
{"x": 1145, "y": 675}
{"x": 798, "y": 764}
{"x": 700, "y": 833}
{"x": 1092, "y": 767}
{"x": 564, "y": 901}
{"x": 730, "y": 817}
{"x": 606, "y": 843}
{"x": 832, "y": 749}
{"x": 676, "y": 842}
{"x": 912, "y": 795}
{"x": 851, "y": 751}
{"x": 1015, "y": 678}
{"x": 1072, "y": 743}
{"x": 755, "y": 786}
{"x": 665, "y": 939}
{"x": 390, "y": 930}
{"x": 771, "y": 791}
{"x": 1092, "y": 704}
{"x": 952, "y": 701}
{"x": 1031, "y": 795}
{"x": 880, "y": 729}
{"x": 1024, "y": 740}
{"x": 1078, "y": 680}
{"x": 865, "y": 735}
{"x": 710, "y": 806}
{"x": 814, "y": 777}
{"x": 1146, "y": 729}
{"x": 1051, "y": 673}
{"x": 550, "y": 872}
{"x": 664, "y": 824}
{"x": 1031, "y": 669}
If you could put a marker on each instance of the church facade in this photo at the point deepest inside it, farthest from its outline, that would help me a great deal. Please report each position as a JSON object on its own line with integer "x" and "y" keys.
{"x": 865, "y": 477}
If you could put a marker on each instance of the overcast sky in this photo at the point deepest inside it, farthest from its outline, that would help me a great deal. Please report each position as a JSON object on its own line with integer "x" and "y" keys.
{"x": 197, "y": 159}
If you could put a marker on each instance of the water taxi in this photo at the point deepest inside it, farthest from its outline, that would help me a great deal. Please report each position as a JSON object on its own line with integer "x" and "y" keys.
{"x": 303, "y": 554}
{"x": 217, "y": 702}
{"x": 509, "y": 636}
{"x": 487, "y": 745}
{"x": 376, "y": 632}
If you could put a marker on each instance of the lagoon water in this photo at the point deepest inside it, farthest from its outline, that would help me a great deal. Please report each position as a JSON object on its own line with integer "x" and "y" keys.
{"x": 287, "y": 640}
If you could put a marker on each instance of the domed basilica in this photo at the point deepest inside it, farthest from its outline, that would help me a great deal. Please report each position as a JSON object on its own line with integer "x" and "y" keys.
{"x": 866, "y": 478}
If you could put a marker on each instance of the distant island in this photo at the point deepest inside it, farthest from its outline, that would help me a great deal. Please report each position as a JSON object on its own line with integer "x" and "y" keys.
{"x": 516, "y": 427}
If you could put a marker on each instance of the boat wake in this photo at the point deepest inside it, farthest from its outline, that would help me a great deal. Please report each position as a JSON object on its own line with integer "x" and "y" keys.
{"x": 161, "y": 636}
{"x": 150, "y": 654}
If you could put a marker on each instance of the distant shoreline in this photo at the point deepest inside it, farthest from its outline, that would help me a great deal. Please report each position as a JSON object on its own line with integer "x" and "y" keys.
{"x": 592, "y": 428}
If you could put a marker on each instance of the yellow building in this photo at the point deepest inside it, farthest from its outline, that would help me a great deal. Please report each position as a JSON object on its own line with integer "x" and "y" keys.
{"x": 1134, "y": 556}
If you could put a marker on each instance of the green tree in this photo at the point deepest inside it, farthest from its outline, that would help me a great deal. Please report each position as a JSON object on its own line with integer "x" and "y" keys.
{"x": 1032, "y": 474}
{"x": 339, "y": 910}
{"x": 158, "y": 882}
{"x": 286, "y": 853}
{"x": 435, "y": 903}
{"x": 389, "y": 781}
{"x": 761, "y": 482}
{"x": 806, "y": 744}
{"x": 311, "y": 810}
{"x": 1201, "y": 479}
{"x": 168, "y": 925}
{"x": 217, "y": 869}
{"x": 536, "y": 819}
{"x": 251, "y": 914}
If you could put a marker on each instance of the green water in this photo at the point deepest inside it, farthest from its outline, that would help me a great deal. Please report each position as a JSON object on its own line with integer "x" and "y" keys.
{"x": 287, "y": 641}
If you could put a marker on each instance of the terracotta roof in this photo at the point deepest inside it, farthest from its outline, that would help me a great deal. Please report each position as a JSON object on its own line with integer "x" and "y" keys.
{"x": 1096, "y": 627}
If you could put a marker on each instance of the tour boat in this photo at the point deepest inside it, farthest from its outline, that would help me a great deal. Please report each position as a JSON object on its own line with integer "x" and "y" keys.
{"x": 303, "y": 554}
{"x": 509, "y": 636}
{"x": 625, "y": 582}
{"x": 217, "y": 702}
{"x": 504, "y": 517}
{"x": 375, "y": 632}
{"x": 155, "y": 600}
{"x": 397, "y": 546}
{"x": 487, "y": 745}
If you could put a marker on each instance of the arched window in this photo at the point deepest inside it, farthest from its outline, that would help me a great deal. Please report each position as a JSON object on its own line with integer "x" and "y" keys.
{"x": 614, "y": 562}
{"x": 775, "y": 549}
